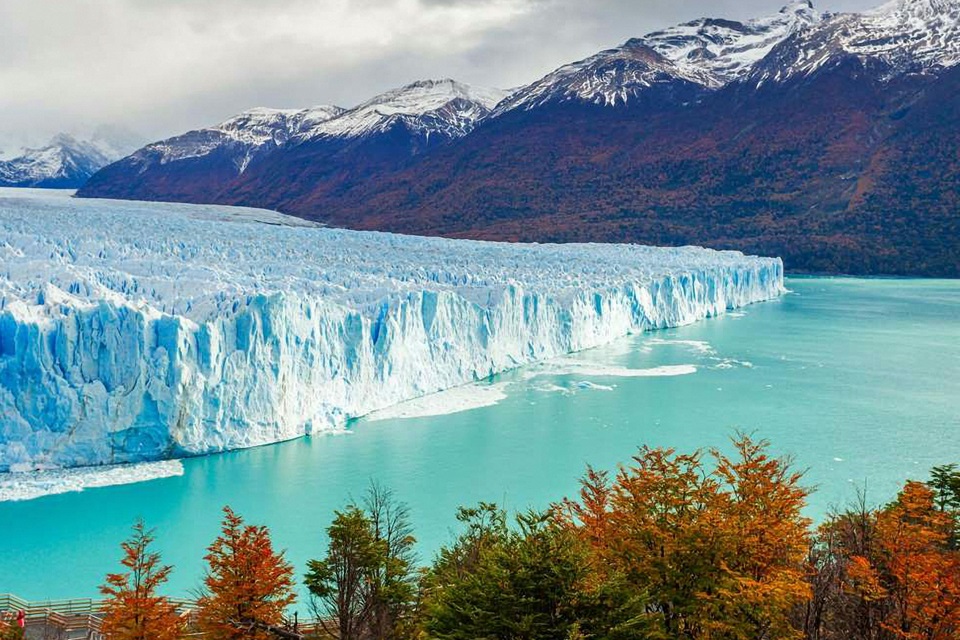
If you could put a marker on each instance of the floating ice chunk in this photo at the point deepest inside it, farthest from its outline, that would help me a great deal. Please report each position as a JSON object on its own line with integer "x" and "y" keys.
{"x": 36, "y": 484}
{"x": 566, "y": 367}
{"x": 586, "y": 384}
{"x": 697, "y": 346}
{"x": 456, "y": 400}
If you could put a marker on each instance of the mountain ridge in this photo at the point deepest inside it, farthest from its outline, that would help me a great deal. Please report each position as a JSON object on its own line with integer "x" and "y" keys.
{"x": 771, "y": 135}
{"x": 66, "y": 161}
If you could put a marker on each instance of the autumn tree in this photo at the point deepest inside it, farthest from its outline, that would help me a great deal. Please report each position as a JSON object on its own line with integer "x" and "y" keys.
{"x": 712, "y": 550}
{"x": 248, "y": 585}
{"x": 889, "y": 573}
{"x": 835, "y": 609}
{"x": 133, "y": 609}
{"x": 914, "y": 568}
{"x": 766, "y": 538}
{"x": 10, "y": 630}
{"x": 365, "y": 586}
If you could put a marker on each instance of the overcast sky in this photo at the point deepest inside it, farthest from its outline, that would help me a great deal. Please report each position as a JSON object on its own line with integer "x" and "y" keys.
{"x": 161, "y": 67}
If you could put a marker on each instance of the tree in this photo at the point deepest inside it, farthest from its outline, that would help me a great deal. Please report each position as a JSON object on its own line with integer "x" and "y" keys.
{"x": 889, "y": 573}
{"x": 393, "y": 587}
{"x": 707, "y": 552}
{"x": 836, "y": 609}
{"x": 915, "y": 569}
{"x": 768, "y": 537}
{"x": 365, "y": 586}
{"x": 248, "y": 585}
{"x": 133, "y": 610}
{"x": 945, "y": 483}
{"x": 503, "y": 582}
{"x": 10, "y": 630}
{"x": 340, "y": 583}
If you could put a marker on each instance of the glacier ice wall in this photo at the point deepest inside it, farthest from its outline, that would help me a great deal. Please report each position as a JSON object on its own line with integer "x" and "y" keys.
{"x": 140, "y": 331}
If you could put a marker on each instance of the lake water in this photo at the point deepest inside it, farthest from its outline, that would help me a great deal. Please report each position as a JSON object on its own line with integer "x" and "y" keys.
{"x": 859, "y": 380}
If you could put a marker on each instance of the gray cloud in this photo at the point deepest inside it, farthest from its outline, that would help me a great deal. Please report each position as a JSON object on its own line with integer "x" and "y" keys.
{"x": 164, "y": 66}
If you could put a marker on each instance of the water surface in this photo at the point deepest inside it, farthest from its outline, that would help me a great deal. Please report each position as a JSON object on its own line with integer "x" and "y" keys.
{"x": 859, "y": 380}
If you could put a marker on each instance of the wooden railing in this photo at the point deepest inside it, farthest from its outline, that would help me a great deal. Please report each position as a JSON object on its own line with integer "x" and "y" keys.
{"x": 86, "y": 615}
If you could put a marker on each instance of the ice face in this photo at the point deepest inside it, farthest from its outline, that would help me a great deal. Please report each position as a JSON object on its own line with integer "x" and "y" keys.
{"x": 140, "y": 331}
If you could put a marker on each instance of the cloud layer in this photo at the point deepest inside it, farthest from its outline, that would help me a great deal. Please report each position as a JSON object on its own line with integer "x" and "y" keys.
{"x": 164, "y": 66}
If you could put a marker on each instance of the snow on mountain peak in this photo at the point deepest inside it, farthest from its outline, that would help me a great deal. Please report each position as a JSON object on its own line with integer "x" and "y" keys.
{"x": 426, "y": 105}
{"x": 709, "y": 52}
{"x": 724, "y": 50}
{"x": 607, "y": 78}
{"x": 905, "y": 35}
{"x": 247, "y": 134}
{"x": 65, "y": 161}
{"x": 262, "y": 125}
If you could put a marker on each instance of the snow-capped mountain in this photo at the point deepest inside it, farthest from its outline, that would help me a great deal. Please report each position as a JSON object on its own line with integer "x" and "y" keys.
{"x": 65, "y": 162}
{"x": 723, "y": 50}
{"x": 429, "y": 107}
{"x": 901, "y": 36}
{"x": 442, "y": 108}
{"x": 799, "y": 134}
{"x": 608, "y": 78}
{"x": 704, "y": 53}
{"x": 264, "y": 145}
{"x": 238, "y": 139}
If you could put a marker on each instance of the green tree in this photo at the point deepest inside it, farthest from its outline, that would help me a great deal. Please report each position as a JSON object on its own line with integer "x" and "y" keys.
{"x": 502, "y": 582}
{"x": 365, "y": 586}
{"x": 393, "y": 589}
{"x": 945, "y": 484}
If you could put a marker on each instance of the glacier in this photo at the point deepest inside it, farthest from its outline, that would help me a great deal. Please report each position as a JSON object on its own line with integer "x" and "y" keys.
{"x": 134, "y": 331}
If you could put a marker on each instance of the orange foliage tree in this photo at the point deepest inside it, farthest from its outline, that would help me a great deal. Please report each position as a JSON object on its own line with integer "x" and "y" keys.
{"x": 9, "y": 629}
{"x": 713, "y": 552}
{"x": 913, "y": 569}
{"x": 888, "y": 574}
{"x": 133, "y": 609}
{"x": 248, "y": 584}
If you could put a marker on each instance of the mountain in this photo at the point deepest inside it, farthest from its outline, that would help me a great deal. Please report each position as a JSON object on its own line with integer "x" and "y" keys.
{"x": 199, "y": 164}
{"x": 832, "y": 140}
{"x": 240, "y": 155}
{"x": 902, "y": 36}
{"x": 66, "y": 162}
{"x": 676, "y": 63}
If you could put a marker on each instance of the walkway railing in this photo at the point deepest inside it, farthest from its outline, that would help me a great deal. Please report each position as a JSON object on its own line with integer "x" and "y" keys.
{"x": 85, "y": 615}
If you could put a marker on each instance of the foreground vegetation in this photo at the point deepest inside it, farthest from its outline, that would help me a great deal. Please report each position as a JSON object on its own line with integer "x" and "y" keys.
{"x": 671, "y": 546}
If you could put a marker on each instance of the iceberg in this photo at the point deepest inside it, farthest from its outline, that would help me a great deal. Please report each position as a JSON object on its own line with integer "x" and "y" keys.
{"x": 135, "y": 331}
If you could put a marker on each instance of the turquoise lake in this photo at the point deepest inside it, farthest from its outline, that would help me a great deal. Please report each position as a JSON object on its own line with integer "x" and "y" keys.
{"x": 859, "y": 380}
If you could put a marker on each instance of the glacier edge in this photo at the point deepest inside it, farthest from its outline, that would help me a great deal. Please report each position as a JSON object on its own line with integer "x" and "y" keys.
{"x": 105, "y": 359}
